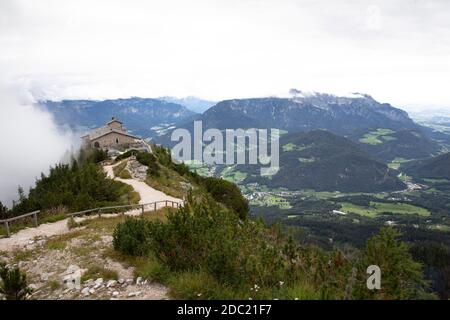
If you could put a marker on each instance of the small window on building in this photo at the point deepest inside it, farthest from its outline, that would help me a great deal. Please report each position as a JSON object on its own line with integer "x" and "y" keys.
{"x": 117, "y": 140}
{"x": 96, "y": 144}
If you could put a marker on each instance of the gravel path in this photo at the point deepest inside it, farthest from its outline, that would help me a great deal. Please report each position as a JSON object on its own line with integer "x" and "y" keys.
{"x": 147, "y": 193}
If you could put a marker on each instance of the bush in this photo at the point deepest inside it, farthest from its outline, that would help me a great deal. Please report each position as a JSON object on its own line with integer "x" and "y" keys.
{"x": 13, "y": 283}
{"x": 79, "y": 186}
{"x": 131, "y": 237}
{"x": 149, "y": 160}
{"x": 204, "y": 248}
{"x": 206, "y": 236}
{"x": 227, "y": 193}
{"x": 4, "y": 212}
{"x": 402, "y": 277}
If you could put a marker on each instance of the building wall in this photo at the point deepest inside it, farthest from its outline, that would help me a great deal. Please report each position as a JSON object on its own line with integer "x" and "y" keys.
{"x": 115, "y": 125}
{"x": 112, "y": 139}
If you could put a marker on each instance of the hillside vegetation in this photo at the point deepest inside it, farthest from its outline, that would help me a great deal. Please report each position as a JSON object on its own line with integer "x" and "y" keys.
{"x": 79, "y": 185}
{"x": 204, "y": 251}
{"x": 322, "y": 161}
{"x": 436, "y": 167}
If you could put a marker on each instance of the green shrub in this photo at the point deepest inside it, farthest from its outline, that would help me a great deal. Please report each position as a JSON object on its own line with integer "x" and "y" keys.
{"x": 149, "y": 160}
{"x": 78, "y": 186}
{"x": 4, "y": 212}
{"x": 204, "y": 248}
{"x": 131, "y": 237}
{"x": 13, "y": 283}
{"x": 228, "y": 194}
{"x": 207, "y": 236}
{"x": 401, "y": 276}
{"x": 125, "y": 174}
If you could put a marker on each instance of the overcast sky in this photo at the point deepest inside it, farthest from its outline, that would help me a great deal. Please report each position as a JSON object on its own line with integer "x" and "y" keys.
{"x": 397, "y": 51}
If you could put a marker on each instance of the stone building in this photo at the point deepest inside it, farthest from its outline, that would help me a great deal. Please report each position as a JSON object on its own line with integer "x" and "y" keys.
{"x": 111, "y": 136}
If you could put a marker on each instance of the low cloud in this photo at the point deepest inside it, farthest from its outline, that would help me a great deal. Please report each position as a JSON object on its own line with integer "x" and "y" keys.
{"x": 30, "y": 142}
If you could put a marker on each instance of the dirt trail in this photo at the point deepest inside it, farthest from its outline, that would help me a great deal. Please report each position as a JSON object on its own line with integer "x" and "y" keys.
{"x": 147, "y": 193}
{"x": 26, "y": 236}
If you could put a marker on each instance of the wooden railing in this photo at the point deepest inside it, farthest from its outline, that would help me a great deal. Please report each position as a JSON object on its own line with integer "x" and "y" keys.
{"x": 153, "y": 206}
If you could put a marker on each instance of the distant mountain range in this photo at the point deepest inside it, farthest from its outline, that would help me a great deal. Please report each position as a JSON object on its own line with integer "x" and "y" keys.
{"x": 141, "y": 116}
{"x": 341, "y": 115}
{"x": 380, "y": 129}
{"x": 323, "y": 161}
{"x": 192, "y": 103}
{"x": 328, "y": 143}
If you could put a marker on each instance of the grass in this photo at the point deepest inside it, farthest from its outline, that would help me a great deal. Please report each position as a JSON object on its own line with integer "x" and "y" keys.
{"x": 377, "y": 208}
{"x": 119, "y": 168}
{"x": 54, "y": 285}
{"x": 96, "y": 271}
{"x": 378, "y": 136}
{"x": 23, "y": 255}
{"x": 289, "y": 147}
{"x": 169, "y": 182}
{"x": 56, "y": 244}
{"x": 293, "y": 147}
{"x": 60, "y": 242}
{"x": 433, "y": 181}
{"x": 306, "y": 160}
{"x": 197, "y": 286}
{"x": 397, "y": 162}
{"x": 232, "y": 175}
{"x": 271, "y": 200}
{"x": 150, "y": 268}
{"x": 125, "y": 174}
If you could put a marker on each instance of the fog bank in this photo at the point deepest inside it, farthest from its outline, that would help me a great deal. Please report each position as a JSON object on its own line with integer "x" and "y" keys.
{"x": 30, "y": 142}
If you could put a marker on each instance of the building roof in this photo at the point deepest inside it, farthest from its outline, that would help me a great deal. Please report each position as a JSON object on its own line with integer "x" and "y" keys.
{"x": 92, "y": 138}
{"x": 113, "y": 120}
{"x": 102, "y": 131}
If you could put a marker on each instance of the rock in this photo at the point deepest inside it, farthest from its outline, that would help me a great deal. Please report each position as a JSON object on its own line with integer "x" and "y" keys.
{"x": 129, "y": 281}
{"x": 134, "y": 294}
{"x": 139, "y": 280}
{"x": 91, "y": 290}
{"x": 46, "y": 275}
{"x": 115, "y": 293}
{"x": 111, "y": 283}
{"x": 98, "y": 282}
{"x": 33, "y": 286}
{"x": 85, "y": 291}
{"x": 121, "y": 281}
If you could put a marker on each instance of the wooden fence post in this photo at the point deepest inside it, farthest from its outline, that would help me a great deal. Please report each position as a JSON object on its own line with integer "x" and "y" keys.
{"x": 100, "y": 213}
{"x": 35, "y": 220}
{"x": 8, "y": 233}
{"x": 142, "y": 209}
{"x": 154, "y": 205}
{"x": 166, "y": 203}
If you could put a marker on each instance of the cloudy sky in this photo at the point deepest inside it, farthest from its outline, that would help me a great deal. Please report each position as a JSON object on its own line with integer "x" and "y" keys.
{"x": 396, "y": 50}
